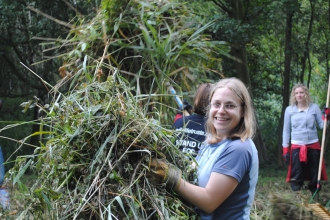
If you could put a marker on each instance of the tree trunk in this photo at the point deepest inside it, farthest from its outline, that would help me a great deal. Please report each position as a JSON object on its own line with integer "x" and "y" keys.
{"x": 236, "y": 10}
{"x": 238, "y": 13}
{"x": 243, "y": 74}
{"x": 286, "y": 81}
{"x": 306, "y": 49}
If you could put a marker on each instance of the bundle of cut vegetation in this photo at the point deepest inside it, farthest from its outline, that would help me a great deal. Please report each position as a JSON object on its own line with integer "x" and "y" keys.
{"x": 291, "y": 206}
{"x": 93, "y": 160}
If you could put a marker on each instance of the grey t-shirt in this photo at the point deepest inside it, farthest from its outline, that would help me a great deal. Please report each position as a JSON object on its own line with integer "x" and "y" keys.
{"x": 236, "y": 159}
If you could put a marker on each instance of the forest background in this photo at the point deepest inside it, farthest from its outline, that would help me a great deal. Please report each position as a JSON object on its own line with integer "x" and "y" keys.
{"x": 270, "y": 45}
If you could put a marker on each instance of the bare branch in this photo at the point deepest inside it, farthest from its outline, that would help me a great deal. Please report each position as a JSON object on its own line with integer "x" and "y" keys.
{"x": 50, "y": 17}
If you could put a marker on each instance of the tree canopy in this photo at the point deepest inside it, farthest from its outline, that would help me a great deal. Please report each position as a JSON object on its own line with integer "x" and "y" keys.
{"x": 270, "y": 45}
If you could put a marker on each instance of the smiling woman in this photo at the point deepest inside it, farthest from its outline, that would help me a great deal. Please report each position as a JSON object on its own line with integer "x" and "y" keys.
{"x": 230, "y": 184}
{"x": 226, "y": 186}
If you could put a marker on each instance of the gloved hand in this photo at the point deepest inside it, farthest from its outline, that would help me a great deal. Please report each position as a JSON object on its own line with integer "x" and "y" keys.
{"x": 163, "y": 172}
{"x": 286, "y": 159}
{"x": 326, "y": 112}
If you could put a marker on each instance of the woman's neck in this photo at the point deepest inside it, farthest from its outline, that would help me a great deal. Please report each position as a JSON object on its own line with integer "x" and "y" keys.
{"x": 302, "y": 105}
{"x": 220, "y": 137}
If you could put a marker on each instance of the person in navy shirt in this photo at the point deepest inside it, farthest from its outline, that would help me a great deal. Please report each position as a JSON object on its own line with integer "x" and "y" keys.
{"x": 190, "y": 129}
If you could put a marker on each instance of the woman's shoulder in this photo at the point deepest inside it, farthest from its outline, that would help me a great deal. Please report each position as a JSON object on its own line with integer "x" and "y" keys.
{"x": 291, "y": 108}
{"x": 240, "y": 145}
{"x": 313, "y": 105}
{"x": 239, "y": 142}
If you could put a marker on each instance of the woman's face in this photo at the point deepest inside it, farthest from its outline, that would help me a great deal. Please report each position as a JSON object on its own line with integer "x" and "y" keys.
{"x": 299, "y": 94}
{"x": 225, "y": 112}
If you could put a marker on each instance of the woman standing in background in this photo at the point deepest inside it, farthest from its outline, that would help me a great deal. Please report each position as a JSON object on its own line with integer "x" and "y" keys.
{"x": 302, "y": 154}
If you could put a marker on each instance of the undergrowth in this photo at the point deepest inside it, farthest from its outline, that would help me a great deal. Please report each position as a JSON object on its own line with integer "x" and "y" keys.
{"x": 272, "y": 194}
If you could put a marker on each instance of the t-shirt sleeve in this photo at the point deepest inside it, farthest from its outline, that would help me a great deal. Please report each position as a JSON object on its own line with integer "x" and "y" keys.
{"x": 235, "y": 160}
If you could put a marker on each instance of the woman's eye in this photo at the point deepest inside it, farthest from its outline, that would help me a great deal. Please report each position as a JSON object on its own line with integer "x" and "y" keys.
{"x": 230, "y": 106}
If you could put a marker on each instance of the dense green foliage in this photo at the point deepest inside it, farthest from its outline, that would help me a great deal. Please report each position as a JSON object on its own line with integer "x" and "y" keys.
{"x": 27, "y": 53}
{"x": 258, "y": 27}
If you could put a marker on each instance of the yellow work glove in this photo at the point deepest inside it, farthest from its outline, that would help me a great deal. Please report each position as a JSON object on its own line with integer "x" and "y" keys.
{"x": 163, "y": 172}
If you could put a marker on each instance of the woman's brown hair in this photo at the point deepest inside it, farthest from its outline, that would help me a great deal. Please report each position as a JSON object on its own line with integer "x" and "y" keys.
{"x": 201, "y": 98}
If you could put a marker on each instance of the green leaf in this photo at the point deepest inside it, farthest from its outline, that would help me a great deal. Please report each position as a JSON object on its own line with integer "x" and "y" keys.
{"x": 46, "y": 200}
{"x": 120, "y": 202}
{"x": 22, "y": 172}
